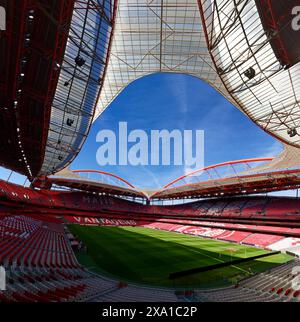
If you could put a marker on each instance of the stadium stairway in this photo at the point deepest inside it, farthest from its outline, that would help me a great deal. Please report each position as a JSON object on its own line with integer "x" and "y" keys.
{"x": 272, "y": 286}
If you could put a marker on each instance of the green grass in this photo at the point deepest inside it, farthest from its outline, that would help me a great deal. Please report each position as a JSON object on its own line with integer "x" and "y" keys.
{"x": 147, "y": 256}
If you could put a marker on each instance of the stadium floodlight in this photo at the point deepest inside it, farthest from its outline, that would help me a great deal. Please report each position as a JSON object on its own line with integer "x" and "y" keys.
{"x": 250, "y": 73}
{"x": 69, "y": 122}
{"x": 23, "y": 61}
{"x": 31, "y": 14}
{"x": 57, "y": 65}
{"x": 27, "y": 40}
{"x": 79, "y": 61}
{"x": 292, "y": 132}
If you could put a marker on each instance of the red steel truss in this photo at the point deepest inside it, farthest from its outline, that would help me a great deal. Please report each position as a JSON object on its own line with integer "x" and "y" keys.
{"x": 216, "y": 166}
{"x": 209, "y": 182}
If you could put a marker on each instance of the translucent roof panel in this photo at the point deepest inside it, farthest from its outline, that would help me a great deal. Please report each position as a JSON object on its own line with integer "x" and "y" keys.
{"x": 240, "y": 44}
{"x": 216, "y": 41}
{"x": 79, "y": 84}
{"x": 223, "y": 42}
{"x": 156, "y": 36}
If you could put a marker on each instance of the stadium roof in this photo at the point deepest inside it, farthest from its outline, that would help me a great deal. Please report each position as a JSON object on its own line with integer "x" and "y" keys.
{"x": 70, "y": 179}
{"x": 246, "y": 49}
{"x": 80, "y": 80}
{"x": 53, "y": 58}
{"x": 240, "y": 177}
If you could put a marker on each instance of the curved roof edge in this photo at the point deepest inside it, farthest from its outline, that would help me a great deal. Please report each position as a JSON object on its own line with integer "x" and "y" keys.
{"x": 279, "y": 173}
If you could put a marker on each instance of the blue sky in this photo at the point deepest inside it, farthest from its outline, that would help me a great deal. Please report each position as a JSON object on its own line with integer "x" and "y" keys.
{"x": 175, "y": 101}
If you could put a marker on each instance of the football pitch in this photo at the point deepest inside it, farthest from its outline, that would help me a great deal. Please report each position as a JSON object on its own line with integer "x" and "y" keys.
{"x": 147, "y": 256}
